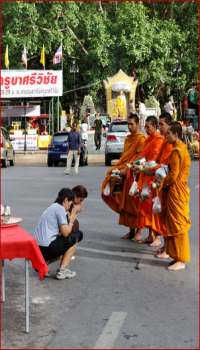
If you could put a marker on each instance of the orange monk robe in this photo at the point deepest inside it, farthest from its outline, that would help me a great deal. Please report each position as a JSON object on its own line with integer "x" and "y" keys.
{"x": 176, "y": 197}
{"x": 151, "y": 151}
{"x": 158, "y": 222}
{"x": 120, "y": 202}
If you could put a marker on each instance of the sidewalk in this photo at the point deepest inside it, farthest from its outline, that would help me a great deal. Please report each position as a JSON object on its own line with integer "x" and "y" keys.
{"x": 40, "y": 158}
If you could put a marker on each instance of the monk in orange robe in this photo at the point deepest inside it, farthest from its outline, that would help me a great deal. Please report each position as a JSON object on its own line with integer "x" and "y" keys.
{"x": 120, "y": 202}
{"x": 176, "y": 201}
{"x": 151, "y": 151}
{"x": 158, "y": 223}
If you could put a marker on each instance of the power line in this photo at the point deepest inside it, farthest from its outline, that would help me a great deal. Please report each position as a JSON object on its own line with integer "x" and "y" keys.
{"x": 82, "y": 87}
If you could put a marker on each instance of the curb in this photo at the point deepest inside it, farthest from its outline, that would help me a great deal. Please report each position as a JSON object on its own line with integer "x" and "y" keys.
{"x": 41, "y": 158}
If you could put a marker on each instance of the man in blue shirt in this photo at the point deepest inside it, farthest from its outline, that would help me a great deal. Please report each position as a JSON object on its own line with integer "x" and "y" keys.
{"x": 74, "y": 140}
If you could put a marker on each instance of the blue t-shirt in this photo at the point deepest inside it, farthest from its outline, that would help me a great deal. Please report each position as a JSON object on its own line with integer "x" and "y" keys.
{"x": 74, "y": 140}
{"x": 47, "y": 228}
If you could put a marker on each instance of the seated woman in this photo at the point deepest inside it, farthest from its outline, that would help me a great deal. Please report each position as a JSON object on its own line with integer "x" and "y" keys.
{"x": 55, "y": 234}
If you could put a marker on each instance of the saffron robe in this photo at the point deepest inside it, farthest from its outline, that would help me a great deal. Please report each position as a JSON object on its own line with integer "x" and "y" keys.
{"x": 151, "y": 151}
{"x": 158, "y": 221}
{"x": 176, "y": 199}
{"x": 121, "y": 202}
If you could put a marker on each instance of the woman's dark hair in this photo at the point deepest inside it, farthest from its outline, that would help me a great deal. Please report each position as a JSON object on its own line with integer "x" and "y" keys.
{"x": 134, "y": 116}
{"x": 167, "y": 117}
{"x": 63, "y": 194}
{"x": 176, "y": 128}
{"x": 80, "y": 191}
{"x": 153, "y": 121}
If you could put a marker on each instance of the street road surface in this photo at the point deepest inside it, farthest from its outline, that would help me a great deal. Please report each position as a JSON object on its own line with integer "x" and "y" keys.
{"x": 122, "y": 296}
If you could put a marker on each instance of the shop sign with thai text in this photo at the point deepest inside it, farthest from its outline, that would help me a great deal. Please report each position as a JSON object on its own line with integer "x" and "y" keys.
{"x": 19, "y": 141}
{"x": 20, "y": 111}
{"x": 31, "y": 83}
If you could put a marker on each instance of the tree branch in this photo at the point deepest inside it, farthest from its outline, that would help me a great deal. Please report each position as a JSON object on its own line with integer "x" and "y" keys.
{"x": 77, "y": 39}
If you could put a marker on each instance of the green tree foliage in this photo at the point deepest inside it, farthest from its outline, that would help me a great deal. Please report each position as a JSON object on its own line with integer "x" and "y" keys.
{"x": 159, "y": 40}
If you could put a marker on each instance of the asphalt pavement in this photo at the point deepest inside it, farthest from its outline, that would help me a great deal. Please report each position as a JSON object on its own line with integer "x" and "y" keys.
{"x": 122, "y": 296}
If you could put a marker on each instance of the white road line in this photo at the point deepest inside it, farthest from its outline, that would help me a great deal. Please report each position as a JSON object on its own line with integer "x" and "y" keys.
{"x": 111, "y": 331}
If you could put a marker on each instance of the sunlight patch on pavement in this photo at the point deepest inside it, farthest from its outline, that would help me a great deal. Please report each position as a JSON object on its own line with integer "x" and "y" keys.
{"x": 41, "y": 300}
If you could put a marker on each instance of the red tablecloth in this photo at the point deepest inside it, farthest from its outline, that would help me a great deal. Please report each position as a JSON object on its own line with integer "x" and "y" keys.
{"x": 16, "y": 242}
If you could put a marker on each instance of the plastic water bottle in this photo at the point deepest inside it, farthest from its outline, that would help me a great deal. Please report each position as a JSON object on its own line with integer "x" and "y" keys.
{"x": 7, "y": 214}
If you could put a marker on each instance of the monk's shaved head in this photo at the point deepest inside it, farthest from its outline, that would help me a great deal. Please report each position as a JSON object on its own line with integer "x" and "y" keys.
{"x": 153, "y": 121}
{"x": 135, "y": 117}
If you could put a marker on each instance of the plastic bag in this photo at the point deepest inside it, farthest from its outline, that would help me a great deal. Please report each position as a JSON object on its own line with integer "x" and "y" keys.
{"x": 157, "y": 208}
{"x": 134, "y": 188}
{"x": 106, "y": 191}
{"x": 145, "y": 193}
{"x": 161, "y": 173}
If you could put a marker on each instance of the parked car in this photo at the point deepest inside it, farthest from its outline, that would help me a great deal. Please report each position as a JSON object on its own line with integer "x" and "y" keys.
{"x": 7, "y": 151}
{"x": 59, "y": 147}
{"x": 115, "y": 137}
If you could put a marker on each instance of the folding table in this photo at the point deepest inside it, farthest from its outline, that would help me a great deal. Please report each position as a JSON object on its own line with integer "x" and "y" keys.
{"x": 16, "y": 242}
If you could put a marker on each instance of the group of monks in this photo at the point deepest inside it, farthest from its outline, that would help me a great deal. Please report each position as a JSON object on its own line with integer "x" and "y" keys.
{"x": 161, "y": 145}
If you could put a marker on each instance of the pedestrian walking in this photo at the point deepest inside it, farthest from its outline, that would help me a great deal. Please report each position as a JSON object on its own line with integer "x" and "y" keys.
{"x": 74, "y": 141}
{"x": 98, "y": 124}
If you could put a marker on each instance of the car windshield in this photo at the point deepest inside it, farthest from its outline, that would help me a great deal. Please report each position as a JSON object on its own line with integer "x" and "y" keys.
{"x": 60, "y": 138}
{"x": 118, "y": 127}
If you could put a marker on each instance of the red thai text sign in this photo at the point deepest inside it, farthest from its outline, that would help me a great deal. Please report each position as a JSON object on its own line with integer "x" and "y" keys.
{"x": 31, "y": 83}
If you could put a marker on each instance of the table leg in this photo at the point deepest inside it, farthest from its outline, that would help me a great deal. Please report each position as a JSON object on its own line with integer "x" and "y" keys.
{"x": 27, "y": 295}
{"x": 2, "y": 281}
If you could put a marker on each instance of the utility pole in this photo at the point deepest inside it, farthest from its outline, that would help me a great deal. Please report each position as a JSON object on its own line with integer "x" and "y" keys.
{"x": 74, "y": 69}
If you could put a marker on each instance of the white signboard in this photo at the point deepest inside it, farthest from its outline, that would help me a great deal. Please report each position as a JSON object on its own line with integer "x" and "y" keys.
{"x": 31, "y": 83}
{"x": 19, "y": 140}
{"x": 20, "y": 111}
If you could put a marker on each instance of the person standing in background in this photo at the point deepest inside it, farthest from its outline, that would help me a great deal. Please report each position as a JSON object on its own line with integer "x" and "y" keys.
{"x": 142, "y": 114}
{"x": 74, "y": 141}
{"x": 98, "y": 124}
{"x": 169, "y": 106}
{"x": 84, "y": 129}
{"x": 131, "y": 106}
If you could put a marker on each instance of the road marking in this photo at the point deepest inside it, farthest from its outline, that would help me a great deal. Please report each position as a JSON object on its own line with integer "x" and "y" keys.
{"x": 111, "y": 331}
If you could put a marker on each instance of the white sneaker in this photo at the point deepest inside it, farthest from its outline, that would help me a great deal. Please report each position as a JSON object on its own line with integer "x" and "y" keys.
{"x": 66, "y": 172}
{"x": 61, "y": 274}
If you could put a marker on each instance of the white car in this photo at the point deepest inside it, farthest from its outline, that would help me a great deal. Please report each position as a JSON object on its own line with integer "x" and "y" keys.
{"x": 7, "y": 151}
{"x": 115, "y": 137}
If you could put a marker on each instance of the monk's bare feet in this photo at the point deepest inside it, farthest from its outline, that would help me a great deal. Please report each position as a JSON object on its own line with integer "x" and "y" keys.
{"x": 161, "y": 250}
{"x": 128, "y": 235}
{"x": 137, "y": 237}
{"x": 178, "y": 265}
{"x": 162, "y": 255}
{"x": 148, "y": 240}
{"x": 156, "y": 242}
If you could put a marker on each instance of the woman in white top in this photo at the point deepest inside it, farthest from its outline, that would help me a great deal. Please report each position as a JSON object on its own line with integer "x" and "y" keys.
{"x": 84, "y": 130}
